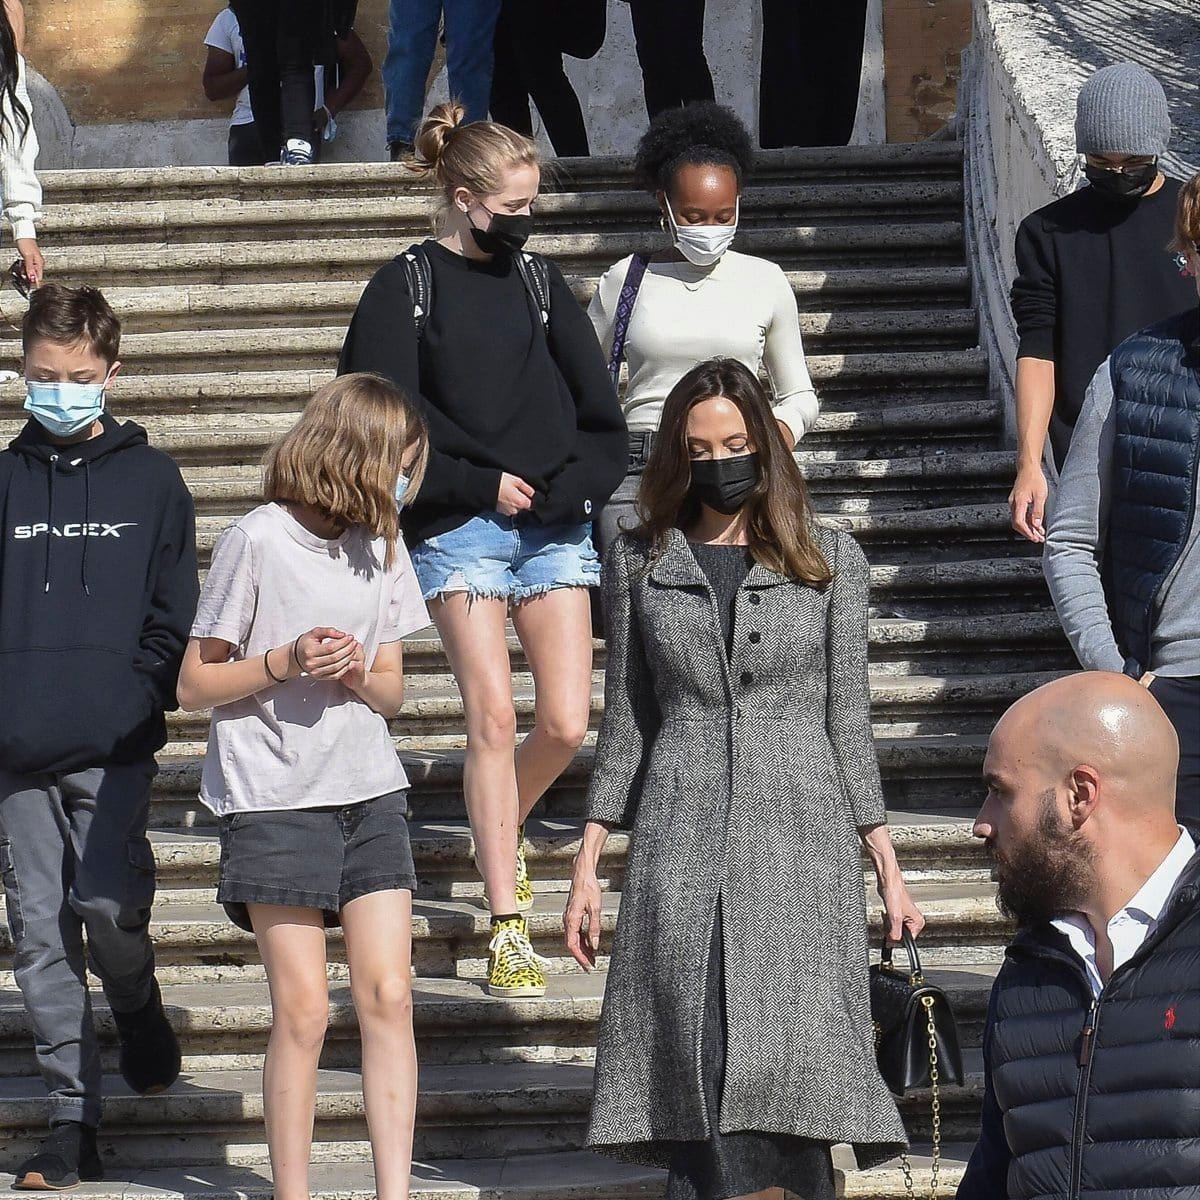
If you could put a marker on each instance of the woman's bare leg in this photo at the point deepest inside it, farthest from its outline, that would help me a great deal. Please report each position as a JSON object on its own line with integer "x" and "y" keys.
{"x": 291, "y": 942}
{"x": 556, "y": 632}
{"x": 474, "y": 634}
{"x": 378, "y": 930}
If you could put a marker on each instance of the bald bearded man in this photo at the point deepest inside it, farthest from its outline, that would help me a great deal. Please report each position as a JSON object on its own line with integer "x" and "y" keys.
{"x": 1092, "y": 1042}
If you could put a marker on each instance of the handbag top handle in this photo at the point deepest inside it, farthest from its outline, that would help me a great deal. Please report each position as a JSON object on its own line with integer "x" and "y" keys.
{"x": 910, "y": 948}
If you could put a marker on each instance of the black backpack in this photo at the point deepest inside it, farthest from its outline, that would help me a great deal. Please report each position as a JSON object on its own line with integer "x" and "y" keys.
{"x": 418, "y": 274}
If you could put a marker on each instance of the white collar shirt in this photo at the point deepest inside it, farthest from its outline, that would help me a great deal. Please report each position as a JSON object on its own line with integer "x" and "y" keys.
{"x": 1135, "y": 922}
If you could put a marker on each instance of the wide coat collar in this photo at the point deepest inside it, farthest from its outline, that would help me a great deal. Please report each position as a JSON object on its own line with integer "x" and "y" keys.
{"x": 676, "y": 566}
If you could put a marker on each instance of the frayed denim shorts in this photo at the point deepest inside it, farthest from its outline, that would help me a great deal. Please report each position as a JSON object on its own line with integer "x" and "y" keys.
{"x": 504, "y": 558}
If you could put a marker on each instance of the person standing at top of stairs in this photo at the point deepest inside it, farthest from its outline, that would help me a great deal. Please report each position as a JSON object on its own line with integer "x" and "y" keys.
{"x": 97, "y": 590}
{"x": 470, "y": 29}
{"x": 527, "y": 444}
{"x": 284, "y": 40}
{"x": 1093, "y": 267}
{"x": 669, "y": 35}
{"x": 666, "y": 312}
{"x": 225, "y": 75}
{"x": 297, "y": 648}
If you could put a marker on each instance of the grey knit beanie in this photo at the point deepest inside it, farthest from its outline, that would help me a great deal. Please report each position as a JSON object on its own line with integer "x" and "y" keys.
{"x": 1122, "y": 109}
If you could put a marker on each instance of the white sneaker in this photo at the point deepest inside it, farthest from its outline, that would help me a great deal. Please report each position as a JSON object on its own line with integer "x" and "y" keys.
{"x": 297, "y": 153}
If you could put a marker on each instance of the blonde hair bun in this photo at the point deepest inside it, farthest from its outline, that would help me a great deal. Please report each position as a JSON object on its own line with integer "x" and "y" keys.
{"x": 435, "y": 133}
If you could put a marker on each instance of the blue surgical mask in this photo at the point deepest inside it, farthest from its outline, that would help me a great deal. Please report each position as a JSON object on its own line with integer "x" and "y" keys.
{"x": 402, "y": 485}
{"x": 64, "y": 409}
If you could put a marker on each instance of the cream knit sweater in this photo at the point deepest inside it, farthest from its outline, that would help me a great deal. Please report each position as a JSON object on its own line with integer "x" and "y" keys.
{"x": 20, "y": 192}
{"x": 743, "y": 308}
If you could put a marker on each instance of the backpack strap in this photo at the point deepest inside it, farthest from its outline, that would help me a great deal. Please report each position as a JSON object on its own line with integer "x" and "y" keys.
{"x": 535, "y": 275}
{"x": 418, "y": 274}
{"x": 625, "y": 303}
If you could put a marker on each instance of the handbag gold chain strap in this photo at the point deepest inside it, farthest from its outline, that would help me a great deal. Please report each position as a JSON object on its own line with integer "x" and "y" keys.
{"x": 936, "y": 1169}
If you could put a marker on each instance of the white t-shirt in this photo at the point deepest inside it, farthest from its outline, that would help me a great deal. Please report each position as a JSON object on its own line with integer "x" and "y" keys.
{"x": 225, "y": 34}
{"x": 743, "y": 308}
{"x": 304, "y": 743}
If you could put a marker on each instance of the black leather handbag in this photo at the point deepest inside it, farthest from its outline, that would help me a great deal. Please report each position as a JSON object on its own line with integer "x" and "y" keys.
{"x": 916, "y": 1039}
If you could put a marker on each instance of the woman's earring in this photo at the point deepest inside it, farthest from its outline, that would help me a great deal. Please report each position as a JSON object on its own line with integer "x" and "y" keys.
{"x": 662, "y": 222}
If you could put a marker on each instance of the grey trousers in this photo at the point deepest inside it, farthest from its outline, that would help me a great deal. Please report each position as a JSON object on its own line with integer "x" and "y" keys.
{"x": 620, "y": 513}
{"x": 75, "y": 859}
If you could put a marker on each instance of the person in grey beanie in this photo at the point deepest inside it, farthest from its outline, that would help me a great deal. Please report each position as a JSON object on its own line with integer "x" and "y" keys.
{"x": 1093, "y": 267}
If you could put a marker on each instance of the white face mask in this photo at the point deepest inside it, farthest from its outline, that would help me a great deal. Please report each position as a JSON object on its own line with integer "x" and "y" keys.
{"x": 702, "y": 245}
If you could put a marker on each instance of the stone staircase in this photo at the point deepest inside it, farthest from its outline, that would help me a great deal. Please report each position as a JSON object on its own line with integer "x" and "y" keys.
{"x": 235, "y": 289}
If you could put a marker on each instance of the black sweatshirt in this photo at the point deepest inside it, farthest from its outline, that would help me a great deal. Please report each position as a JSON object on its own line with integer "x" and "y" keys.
{"x": 498, "y": 393}
{"x": 1091, "y": 271}
{"x": 98, "y": 588}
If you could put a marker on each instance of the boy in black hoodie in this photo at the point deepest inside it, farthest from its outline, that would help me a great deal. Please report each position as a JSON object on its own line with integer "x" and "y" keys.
{"x": 98, "y": 588}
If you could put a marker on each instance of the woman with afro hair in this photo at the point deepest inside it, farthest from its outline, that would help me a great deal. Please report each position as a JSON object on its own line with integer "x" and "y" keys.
{"x": 695, "y": 299}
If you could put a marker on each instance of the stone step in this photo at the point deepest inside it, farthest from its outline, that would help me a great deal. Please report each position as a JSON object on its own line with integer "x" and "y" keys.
{"x": 898, "y": 482}
{"x": 216, "y": 1117}
{"x": 309, "y": 346}
{"x": 924, "y": 533}
{"x": 934, "y": 848}
{"x": 224, "y": 1026}
{"x": 923, "y": 591}
{"x": 934, "y": 774}
{"x": 864, "y": 165}
{"x": 565, "y": 1175}
{"x": 896, "y": 645}
{"x": 270, "y": 390}
{"x": 408, "y": 213}
{"x": 956, "y": 703}
{"x": 195, "y": 941}
{"x": 908, "y": 244}
{"x": 270, "y": 305}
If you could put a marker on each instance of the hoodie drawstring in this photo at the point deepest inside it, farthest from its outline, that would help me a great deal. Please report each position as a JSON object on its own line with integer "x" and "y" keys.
{"x": 50, "y": 518}
{"x": 87, "y": 524}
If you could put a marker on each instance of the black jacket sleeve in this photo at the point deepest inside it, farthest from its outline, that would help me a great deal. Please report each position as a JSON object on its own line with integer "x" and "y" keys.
{"x": 986, "y": 1176}
{"x": 382, "y": 338}
{"x": 173, "y": 597}
{"x": 597, "y": 464}
{"x": 1035, "y": 291}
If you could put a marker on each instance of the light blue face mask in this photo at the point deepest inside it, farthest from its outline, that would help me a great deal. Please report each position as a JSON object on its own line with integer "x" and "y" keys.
{"x": 64, "y": 409}
{"x": 402, "y": 485}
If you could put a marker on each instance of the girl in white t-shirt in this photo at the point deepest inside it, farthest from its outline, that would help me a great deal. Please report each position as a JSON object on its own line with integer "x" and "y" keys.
{"x": 297, "y": 649}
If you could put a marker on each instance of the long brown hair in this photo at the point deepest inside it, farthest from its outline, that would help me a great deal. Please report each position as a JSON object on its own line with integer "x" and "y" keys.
{"x": 345, "y": 453}
{"x": 779, "y": 515}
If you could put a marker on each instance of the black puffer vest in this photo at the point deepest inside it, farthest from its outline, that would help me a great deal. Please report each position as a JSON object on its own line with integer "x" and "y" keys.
{"x": 1156, "y": 458}
{"x": 1102, "y": 1098}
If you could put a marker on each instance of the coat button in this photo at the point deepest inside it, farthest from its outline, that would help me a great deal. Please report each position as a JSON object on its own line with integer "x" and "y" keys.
{"x": 755, "y": 598}
{"x": 747, "y": 678}
{"x": 755, "y": 637}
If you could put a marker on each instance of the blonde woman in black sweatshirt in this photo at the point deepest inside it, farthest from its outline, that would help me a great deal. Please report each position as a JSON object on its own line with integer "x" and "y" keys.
{"x": 527, "y": 444}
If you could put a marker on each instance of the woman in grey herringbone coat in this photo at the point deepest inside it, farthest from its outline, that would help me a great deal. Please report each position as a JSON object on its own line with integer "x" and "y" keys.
{"x": 736, "y": 1043}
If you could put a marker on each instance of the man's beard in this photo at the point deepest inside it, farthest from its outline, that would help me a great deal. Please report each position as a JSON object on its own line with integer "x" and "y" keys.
{"x": 1046, "y": 874}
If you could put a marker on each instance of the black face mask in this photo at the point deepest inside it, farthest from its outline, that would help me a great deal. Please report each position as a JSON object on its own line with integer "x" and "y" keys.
{"x": 1129, "y": 183}
{"x": 507, "y": 233}
{"x": 725, "y": 484}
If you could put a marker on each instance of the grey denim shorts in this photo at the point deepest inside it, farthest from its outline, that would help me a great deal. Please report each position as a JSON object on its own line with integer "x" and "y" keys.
{"x": 315, "y": 857}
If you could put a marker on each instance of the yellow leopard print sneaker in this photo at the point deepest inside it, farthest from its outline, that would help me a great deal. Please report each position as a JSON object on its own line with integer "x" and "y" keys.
{"x": 515, "y": 970}
{"x": 524, "y": 886}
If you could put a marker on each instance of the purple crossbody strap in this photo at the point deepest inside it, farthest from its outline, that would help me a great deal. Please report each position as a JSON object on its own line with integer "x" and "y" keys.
{"x": 625, "y": 303}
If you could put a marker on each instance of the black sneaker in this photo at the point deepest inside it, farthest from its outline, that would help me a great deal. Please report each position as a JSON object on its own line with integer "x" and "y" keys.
{"x": 63, "y": 1160}
{"x": 149, "y": 1049}
{"x": 401, "y": 151}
